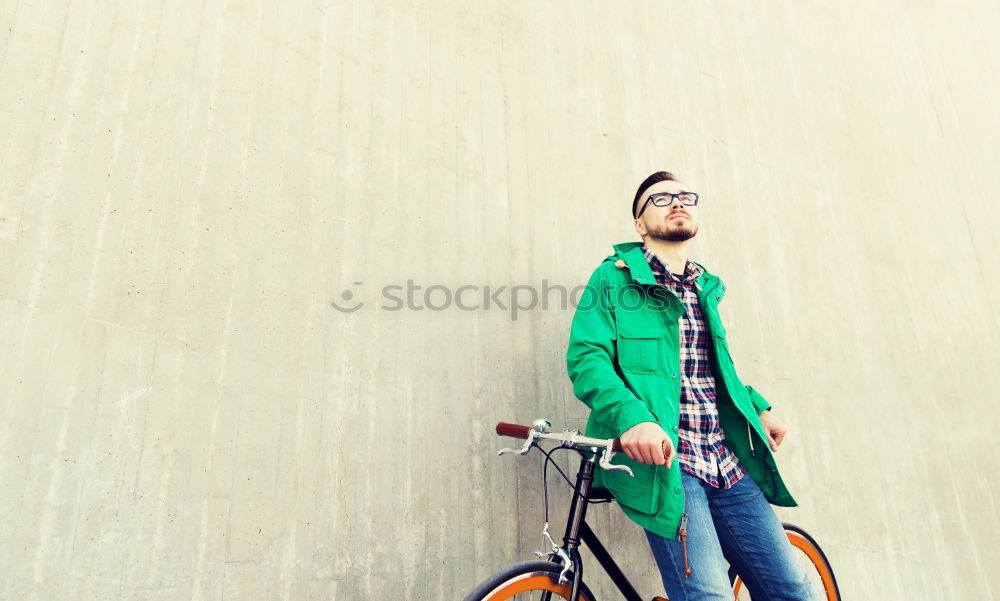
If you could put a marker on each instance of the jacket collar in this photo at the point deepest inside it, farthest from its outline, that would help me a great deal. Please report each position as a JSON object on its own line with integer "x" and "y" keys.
{"x": 635, "y": 261}
{"x": 638, "y": 267}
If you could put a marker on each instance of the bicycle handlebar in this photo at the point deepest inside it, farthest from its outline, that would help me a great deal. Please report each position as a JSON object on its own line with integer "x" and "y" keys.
{"x": 519, "y": 431}
{"x": 567, "y": 438}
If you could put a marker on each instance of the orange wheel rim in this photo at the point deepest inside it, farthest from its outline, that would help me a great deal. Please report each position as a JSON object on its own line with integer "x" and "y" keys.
{"x": 806, "y": 547}
{"x": 531, "y": 582}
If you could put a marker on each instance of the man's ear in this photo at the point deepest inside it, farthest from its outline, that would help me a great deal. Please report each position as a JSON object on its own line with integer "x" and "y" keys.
{"x": 640, "y": 227}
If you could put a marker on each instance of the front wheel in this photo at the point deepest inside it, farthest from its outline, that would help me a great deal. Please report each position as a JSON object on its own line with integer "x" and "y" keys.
{"x": 531, "y": 580}
{"x": 812, "y": 560}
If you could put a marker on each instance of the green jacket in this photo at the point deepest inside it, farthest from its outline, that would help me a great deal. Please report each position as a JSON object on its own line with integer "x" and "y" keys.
{"x": 624, "y": 361}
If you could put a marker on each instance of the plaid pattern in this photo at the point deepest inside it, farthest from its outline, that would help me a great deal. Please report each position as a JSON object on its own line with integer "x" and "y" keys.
{"x": 700, "y": 449}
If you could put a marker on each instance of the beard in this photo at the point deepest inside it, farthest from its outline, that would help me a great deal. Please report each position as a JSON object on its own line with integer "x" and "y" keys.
{"x": 673, "y": 233}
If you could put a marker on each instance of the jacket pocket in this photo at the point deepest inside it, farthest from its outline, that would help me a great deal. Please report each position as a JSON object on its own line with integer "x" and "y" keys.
{"x": 641, "y": 347}
{"x": 637, "y": 492}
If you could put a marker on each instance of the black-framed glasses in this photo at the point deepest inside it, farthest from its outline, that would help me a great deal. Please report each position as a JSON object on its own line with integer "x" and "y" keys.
{"x": 663, "y": 199}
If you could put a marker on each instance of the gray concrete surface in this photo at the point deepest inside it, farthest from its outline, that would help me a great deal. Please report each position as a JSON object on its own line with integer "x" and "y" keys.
{"x": 185, "y": 188}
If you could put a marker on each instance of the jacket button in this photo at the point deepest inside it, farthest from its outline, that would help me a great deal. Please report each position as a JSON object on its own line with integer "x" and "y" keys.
{"x": 718, "y": 298}
{"x": 677, "y": 489}
{"x": 674, "y": 376}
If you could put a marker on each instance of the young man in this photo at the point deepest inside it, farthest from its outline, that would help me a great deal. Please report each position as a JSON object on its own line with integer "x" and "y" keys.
{"x": 648, "y": 354}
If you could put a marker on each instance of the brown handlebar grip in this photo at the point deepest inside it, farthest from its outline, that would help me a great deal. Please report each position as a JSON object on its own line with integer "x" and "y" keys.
{"x": 512, "y": 430}
{"x": 617, "y": 447}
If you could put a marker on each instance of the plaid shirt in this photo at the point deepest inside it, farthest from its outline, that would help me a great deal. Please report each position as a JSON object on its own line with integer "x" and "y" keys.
{"x": 700, "y": 449}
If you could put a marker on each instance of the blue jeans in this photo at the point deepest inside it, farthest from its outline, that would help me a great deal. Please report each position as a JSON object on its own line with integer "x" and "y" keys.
{"x": 735, "y": 524}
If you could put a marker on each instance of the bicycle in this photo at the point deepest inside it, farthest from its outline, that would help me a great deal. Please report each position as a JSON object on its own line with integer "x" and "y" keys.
{"x": 561, "y": 572}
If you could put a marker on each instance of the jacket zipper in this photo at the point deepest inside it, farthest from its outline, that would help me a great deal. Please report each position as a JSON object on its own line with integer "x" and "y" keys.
{"x": 750, "y": 436}
{"x": 683, "y": 532}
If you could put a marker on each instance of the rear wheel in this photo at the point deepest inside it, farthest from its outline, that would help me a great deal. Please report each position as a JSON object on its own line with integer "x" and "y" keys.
{"x": 531, "y": 580}
{"x": 812, "y": 560}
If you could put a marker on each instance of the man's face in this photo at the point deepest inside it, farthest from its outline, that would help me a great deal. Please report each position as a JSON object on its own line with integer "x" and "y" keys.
{"x": 675, "y": 222}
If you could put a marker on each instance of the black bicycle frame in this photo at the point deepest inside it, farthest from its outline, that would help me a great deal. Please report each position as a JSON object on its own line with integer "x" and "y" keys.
{"x": 577, "y": 530}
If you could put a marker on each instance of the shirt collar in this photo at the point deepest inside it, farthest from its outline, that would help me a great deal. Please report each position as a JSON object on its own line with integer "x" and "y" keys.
{"x": 662, "y": 272}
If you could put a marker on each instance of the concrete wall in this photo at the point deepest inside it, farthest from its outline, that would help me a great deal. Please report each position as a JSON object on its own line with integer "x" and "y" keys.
{"x": 186, "y": 188}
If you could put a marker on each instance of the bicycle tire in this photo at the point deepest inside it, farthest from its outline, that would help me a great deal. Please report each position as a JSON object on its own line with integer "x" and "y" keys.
{"x": 801, "y": 540}
{"x": 532, "y": 580}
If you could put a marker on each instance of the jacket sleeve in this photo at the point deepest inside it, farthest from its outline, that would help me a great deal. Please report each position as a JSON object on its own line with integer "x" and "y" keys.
{"x": 758, "y": 400}
{"x": 590, "y": 360}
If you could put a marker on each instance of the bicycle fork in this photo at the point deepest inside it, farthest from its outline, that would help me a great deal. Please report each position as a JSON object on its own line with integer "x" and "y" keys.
{"x": 569, "y": 553}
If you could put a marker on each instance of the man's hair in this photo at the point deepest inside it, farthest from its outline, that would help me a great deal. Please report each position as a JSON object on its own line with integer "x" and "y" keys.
{"x": 659, "y": 176}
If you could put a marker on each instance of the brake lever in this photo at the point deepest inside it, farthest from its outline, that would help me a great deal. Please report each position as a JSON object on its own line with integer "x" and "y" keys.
{"x": 606, "y": 460}
{"x": 532, "y": 437}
